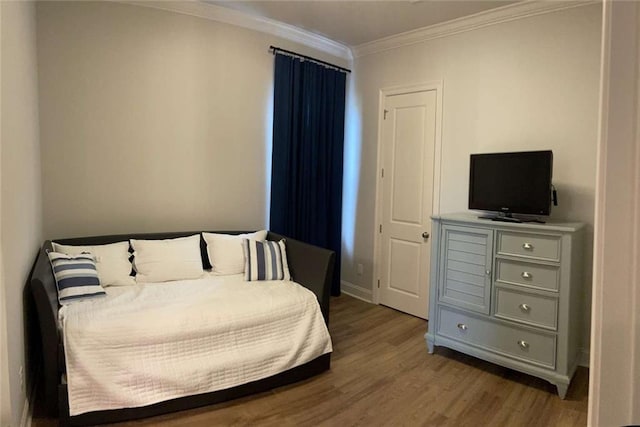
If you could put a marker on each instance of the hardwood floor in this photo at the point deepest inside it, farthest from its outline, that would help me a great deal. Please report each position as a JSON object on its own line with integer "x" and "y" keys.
{"x": 381, "y": 374}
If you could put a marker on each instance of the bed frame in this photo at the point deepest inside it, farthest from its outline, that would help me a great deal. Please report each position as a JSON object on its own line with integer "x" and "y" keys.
{"x": 310, "y": 266}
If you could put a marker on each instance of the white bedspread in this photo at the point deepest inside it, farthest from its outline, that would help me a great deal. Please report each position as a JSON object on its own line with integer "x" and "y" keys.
{"x": 144, "y": 344}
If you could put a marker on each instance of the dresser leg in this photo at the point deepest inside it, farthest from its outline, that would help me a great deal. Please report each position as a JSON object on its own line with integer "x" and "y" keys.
{"x": 429, "y": 344}
{"x": 562, "y": 390}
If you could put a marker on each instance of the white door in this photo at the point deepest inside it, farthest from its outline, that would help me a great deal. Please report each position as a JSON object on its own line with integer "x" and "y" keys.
{"x": 408, "y": 140}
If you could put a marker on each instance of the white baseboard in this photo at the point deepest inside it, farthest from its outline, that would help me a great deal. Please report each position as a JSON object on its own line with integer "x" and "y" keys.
{"x": 356, "y": 291}
{"x": 27, "y": 413}
{"x": 27, "y": 410}
{"x": 583, "y": 357}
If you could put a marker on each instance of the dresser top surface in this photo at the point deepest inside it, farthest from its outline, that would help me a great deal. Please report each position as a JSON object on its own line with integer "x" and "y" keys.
{"x": 473, "y": 218}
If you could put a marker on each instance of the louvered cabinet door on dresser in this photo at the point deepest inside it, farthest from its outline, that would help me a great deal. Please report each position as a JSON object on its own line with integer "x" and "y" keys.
{"x": 511, "y": 294}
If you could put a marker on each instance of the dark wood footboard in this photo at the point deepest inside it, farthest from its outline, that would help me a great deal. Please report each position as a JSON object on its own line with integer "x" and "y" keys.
{"x": 310, "y": 266}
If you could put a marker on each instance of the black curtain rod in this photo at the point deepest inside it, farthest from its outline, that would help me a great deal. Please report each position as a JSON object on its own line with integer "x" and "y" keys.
{"x": 275, "y": 49}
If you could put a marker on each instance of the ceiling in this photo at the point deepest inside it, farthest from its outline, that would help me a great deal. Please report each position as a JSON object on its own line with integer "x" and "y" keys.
{"x": 354, "y": 23}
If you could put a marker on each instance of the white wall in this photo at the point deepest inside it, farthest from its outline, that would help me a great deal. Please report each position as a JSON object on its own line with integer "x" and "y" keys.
{"x": 614, "y": 394}
{"x": 152, "y": 120}
{"x": 20, "y": 195}
{"x": 527, "y": 84}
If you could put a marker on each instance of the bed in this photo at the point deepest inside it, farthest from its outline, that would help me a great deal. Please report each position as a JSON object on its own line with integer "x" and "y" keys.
{"x": 310, "y": 266}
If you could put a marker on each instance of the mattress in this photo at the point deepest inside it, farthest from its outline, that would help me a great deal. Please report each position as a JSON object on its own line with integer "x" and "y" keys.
{"x": 148, "y": 343}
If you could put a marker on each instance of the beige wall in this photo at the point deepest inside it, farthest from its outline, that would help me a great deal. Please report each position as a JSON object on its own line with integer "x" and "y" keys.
{"x": 21, "y": 216}
{"x": 152, "y": 120}
{"x": 5, "y": 398}
{"x": 527, "y": 84}
{"x": 5, "y": 401}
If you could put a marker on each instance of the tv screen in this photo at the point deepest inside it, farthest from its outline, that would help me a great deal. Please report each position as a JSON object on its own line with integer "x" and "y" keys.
{"x": 511, "y": 182}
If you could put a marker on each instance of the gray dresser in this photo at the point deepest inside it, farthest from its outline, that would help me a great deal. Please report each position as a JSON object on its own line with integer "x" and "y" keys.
{"x": 508, "y": 293}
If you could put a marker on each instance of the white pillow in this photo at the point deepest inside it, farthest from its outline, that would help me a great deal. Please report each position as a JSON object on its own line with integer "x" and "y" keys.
{"x": 225, "y": 250}
{"x": 170, "y": 259}
{"x": 112, "y": 261}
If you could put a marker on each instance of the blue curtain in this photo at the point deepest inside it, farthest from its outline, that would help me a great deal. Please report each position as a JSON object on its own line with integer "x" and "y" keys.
{"x": 308, "y": 140}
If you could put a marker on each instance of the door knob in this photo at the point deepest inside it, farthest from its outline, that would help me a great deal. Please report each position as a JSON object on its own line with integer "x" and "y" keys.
{"x": 425, "y": 235}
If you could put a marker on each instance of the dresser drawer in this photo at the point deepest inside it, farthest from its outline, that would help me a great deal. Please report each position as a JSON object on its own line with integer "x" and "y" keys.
{"x": 539, "y": 246}
{"x": 536, "y": 310}
{"x": 533, "y": 347}
{"x": 528, "y": 274}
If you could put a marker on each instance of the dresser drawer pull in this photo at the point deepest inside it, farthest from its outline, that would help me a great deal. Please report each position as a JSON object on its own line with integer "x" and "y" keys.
{"x": 526, "y": 275}
{"x": 528, "y": 246}
{"x": 523, "y": 344}
{"x": 525, "y": 307}
{"x": 462, "y": 326}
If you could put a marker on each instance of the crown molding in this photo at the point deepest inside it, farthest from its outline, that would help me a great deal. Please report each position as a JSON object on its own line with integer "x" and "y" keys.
{"x": 225, "y": 15}
{"x": 499, "y": 15}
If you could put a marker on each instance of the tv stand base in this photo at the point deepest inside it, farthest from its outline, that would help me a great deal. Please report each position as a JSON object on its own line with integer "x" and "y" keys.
{"x": 503, "y": 218}
{"x": 500, "y": 218}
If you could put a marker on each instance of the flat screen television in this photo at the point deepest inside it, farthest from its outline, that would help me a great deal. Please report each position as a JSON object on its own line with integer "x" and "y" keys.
{"x": 511, "y": 183}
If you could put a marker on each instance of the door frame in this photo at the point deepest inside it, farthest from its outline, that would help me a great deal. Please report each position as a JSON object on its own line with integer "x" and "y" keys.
{"x": 436, "y": 85}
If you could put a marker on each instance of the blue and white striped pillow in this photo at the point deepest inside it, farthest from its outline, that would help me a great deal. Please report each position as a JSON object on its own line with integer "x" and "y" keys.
{"x": 76, "y": 276}
{"x": 265, "y": 260}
